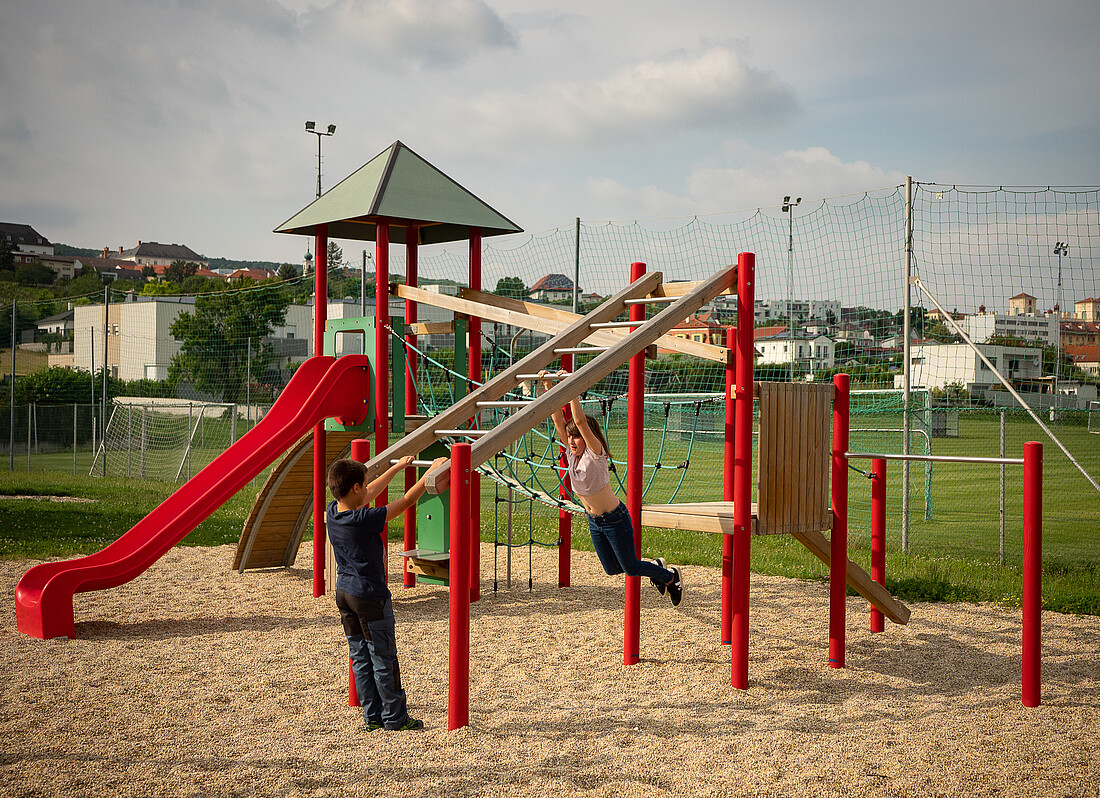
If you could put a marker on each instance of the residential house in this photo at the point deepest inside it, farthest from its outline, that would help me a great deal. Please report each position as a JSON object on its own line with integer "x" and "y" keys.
{"x": 1087, "y": 309}
{"x": 825, "y": 310}
{"x": 1028, "y": 327}
{"x": 1086, "y": 358}
{"x": 943, "y": 365}
{"x": 1080, "y": 333}
{"x": 552, "y": 288}
{"x": 703, "y": 327}
{"x": 25, "y": 242}
{"x": 1021, "y": 305}
{"x": 151, "y": 253}
{"x": 809, "y": 353}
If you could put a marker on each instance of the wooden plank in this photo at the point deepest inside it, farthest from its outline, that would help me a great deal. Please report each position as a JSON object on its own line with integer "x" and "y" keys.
{"x": 715, "y": 518}
{"x": 430, "y": 327}
{"x": 466, "y": 407}
{"x": 537, "y": 411}
{"x": 428, "y": 568}
{"x": 858, "y": 579}
{"x": 681, "y": 287}
{"x": 682, "y": 345}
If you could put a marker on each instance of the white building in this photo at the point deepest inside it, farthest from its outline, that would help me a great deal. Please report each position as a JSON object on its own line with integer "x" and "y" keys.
{"x": 766, "y": 310}
{"x": 1025, "y": 326}
{"x": 941, "y": 365}
{"x": 809, "y": 353}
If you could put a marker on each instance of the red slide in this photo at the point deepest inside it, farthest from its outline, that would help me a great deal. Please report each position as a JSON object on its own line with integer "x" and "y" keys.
{"x": 322, "y": 387}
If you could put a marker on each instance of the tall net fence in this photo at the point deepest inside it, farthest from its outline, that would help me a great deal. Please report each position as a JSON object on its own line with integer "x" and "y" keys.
{"x": 993, "y": 263}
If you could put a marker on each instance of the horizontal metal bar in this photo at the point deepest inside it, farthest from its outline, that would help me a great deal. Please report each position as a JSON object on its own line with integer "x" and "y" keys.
{"x": 935, "y": 458}
{"x": 505, "y": 403}
{"x": 651, "y": 300}
{"x": 460, "y": 433}
{"x": 580, "y": 350}
{"x": 617, "y": 324}
{"x": 415, "y": 463}
{"x": 553, "y": 376}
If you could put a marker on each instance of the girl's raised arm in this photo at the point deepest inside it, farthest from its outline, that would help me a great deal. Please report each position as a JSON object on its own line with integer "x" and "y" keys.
{"x": 581, "y": 420}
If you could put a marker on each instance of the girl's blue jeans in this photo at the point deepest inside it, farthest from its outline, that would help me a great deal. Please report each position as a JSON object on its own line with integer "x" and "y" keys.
{"x": 613, "y": 539}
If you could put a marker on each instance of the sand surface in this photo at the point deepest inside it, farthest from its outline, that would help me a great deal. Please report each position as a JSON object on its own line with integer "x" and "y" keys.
{"x": 194, "y": 680}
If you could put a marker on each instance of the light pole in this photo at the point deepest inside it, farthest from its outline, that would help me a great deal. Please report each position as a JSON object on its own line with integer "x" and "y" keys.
{"x": 788, "y": 208}
{"x": 1060, "y": 249}
{"x": 311, "y": 127}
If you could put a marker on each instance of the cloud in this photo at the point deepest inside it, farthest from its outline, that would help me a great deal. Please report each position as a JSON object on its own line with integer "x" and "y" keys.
{"x": 756, "y": 179}
{"x": 709, "y": 89}
{"x": 433, "y": 33}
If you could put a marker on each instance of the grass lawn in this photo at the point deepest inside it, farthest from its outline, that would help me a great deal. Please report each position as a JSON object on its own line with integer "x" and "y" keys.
{"x": 954, "y": 554}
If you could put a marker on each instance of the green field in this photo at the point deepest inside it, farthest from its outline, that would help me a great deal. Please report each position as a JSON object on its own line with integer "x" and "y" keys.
{"x": 953, "y": 555}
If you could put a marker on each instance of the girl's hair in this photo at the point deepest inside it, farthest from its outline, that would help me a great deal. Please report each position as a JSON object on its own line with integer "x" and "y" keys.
{"x": 572, "y": 430}
{"x": 343, "y": 475}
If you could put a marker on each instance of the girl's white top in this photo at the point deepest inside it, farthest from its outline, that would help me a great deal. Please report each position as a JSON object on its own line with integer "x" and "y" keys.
{"x": 587, "y": 473}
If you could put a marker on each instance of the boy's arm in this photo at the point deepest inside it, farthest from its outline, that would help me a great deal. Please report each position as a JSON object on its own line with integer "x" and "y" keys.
{"x": 379, "y": 483}
{"x": 398, "y": 506}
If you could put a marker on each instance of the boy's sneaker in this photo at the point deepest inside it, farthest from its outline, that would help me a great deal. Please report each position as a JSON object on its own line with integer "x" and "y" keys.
{"x": 661, "y": 586}
{"x": 374, "y": 724}
{"x": 412, "y": 724}
{"x": 676, "y": 589}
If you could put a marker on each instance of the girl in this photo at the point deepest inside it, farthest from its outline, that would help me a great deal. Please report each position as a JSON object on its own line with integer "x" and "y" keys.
{"x": 587, "y": 456}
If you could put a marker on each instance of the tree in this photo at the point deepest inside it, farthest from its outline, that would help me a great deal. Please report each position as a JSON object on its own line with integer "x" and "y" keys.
{"x": 216, "y": 338}
{"x": 287, "y": 272}
{"x": 511, "y": 287}
{"x": 180, "y": 270}
{"x": 7, "y": 259}
{"x": 335, "y": 256}
{"x": 35, "y": 273}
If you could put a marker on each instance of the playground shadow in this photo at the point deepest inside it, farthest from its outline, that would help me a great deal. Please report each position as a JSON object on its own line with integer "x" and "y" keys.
{"x": 166, "y": 628}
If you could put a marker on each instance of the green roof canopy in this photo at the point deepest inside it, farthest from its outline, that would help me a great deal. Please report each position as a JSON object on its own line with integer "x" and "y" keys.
{"x": 399, "y": 187}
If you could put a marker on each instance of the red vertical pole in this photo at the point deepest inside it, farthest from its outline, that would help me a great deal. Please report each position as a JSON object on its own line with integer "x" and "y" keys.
{"x": 474, "y": 351}
{"x": 565, "y": 518}
{"x": 360, "y": 452}
{"x": 458, "y": 685}
{"x": 878, "y": 534}
{"x": 742, "y": 471}
{"x": 727, "y": 486}
{"x": 412, "y": 240}
{"x": 635, "y": 428}
{"x": 382, "y": 355}
{"x": 320, "y": 313}
{"x": 1033, "y": 573}
{"x": 838, "y": 549}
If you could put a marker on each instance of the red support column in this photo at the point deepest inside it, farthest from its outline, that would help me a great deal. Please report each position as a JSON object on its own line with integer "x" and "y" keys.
{"x": 742, "y": 471}
{"x": 726, "y": 629}
{"x": 878, "y": 534}
{"x": 458, "y": 684}
{"x": 475, "y": 377}
{"x": 838, "y": 549}
{"x": 360, "y": 452}
{"x": 1033, "y": 574}
{"x": 320, "y": 314}
{"x": 565, "y": 518}
{"x": 412, "y": 241}
{"x": 635, "y": 430}
{"x": 382, "y": 354}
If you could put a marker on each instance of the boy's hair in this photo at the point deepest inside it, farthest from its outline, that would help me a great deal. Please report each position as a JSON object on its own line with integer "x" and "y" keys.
{"x": 343, "y": 475}
{"x": 572, "y": 430}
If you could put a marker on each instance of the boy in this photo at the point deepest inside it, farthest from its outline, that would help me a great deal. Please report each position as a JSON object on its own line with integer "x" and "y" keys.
{"x": 356, "y": 531}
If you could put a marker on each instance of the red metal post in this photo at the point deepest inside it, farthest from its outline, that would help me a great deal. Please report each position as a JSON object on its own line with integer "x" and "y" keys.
{"x": 360, "y": 452}
{"x": 382, "y": 356}
{"x": 320, "y": 316}
{"x": 878, "y": 534}
{"x": 458, "y": 686}
{"x": 474, "y": 351}
{"x": 635, "y": 430}
{"x": 742, "y": 471}
{"x": 412, "y": 240}
{"x": 726, "y": 629}
{"x": 1033, "y": 574}
{"x": 565, "y": 518}
{"x": 838, "y": 549}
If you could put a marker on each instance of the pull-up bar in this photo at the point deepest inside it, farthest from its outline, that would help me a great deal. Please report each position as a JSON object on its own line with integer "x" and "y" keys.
{"x": 1032, "y": 567}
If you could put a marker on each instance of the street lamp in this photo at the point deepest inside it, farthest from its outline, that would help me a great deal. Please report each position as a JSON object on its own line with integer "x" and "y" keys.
{"x": 788, "y": 208}
{"x": 311, "y": 127}
{"x": 1060, "y": 249}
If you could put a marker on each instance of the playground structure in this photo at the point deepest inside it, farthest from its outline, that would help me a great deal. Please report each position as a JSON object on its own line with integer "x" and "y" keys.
{"x": 795, "y": 463}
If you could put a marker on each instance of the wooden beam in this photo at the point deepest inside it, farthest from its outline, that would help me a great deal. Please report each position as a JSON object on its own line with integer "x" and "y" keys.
{"x": 858, "y": 579}
{"x": 430, "y": 327}
{"x": 506, "y": 433}
{"x": 684, "y": 346}
{"x": 466, "y": 408}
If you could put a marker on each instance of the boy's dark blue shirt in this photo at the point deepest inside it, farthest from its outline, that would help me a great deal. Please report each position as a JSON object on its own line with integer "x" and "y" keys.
{"x": 356, "y": 537}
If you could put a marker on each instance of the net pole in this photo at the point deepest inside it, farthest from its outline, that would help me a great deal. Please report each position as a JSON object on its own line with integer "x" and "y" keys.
{"x": 635, "y": 423}
{"x": 742, "y": 472}
{"x": 906, "y": 361}
{"x": 320, "y": 311}
{"x": 728, "y": 451}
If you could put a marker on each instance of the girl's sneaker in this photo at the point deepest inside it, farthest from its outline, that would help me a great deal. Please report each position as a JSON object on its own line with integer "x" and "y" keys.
{"x": 676, "y": 589}
{"x": 661, "y": 586}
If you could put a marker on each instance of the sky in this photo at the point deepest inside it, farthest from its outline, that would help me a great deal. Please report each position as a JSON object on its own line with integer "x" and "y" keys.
{"x": 182, "y": 121}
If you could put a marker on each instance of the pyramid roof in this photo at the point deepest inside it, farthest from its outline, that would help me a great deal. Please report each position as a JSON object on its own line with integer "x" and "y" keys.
{"x": 399, "y": 187}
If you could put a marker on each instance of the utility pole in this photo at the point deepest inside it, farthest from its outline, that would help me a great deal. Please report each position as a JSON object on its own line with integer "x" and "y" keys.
{"x": 788, "y": 208}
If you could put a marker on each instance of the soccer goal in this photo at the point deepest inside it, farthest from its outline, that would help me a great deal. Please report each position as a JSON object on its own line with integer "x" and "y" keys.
{"x": 1094, "y": 417}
